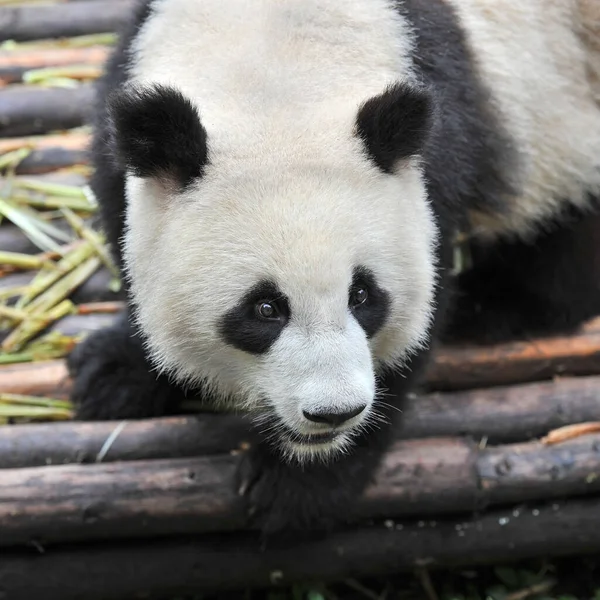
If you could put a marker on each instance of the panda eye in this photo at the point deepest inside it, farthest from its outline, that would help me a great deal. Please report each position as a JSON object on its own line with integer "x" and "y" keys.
{"x": 358, "y": 296}
{"x": 267, "y": 310}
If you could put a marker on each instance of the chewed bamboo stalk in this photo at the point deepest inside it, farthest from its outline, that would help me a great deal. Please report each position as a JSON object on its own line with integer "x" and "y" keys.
{"x": 22, "y": 408}
{"x": 24, "y": 399}
{"x": 34, "y": 323}
{"x": 64, "y": 286}
{"x": 52, "y": 189}
{"x": 12, "y": 158}
{"x": 14, "y": 314}
{"x": 73, "y": 41}
{"x": 25, "y": 261}
{"x": 95, "y": 239}
{"x": 74, "y": 73}
{"x": 44, "y": 280}
{"x": 53, "y": 202}
{"x": 49, "y": 346}
{"x": 33, "y": 412}
{"x": 90, "y": 308}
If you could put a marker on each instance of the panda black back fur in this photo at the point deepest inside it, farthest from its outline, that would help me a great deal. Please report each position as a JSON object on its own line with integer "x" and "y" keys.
{"x": 283, "y": 185}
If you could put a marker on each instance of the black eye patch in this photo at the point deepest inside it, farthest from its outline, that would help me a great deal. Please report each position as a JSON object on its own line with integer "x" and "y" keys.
{"x": 256, "y": 322}
{"x": 369, "y": 304}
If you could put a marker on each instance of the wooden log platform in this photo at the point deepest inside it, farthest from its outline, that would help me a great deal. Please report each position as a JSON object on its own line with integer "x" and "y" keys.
{"x": 15, "y": 64}
{"x": 175, "y": 566}
{"x": 24, "y": 23}
{"x": 497, "y": 458}
{"x": 505, "y": 414}
{"x": 452, "y": 369}
{"x": 150, "y": 498}
{"x": 30, "y": 111}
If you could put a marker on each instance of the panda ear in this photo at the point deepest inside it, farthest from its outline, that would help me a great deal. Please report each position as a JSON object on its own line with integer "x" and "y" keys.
{"x": 395, "y": 124}
{"x": 156, "y": 132}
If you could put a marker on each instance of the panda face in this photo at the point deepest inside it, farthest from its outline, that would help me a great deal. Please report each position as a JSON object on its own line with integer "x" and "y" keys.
{"x": 284, "y": 291}
{"x": 330, "y": 392}
{"x": 280, "y": 270}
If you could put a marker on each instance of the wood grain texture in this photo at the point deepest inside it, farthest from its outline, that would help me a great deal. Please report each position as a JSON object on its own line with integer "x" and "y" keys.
{"x": 173, "y": 567}
{"x": 24, "y": 23}
{"x": 147, "y": 498}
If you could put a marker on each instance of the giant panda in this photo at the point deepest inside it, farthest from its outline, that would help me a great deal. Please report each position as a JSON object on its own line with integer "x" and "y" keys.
{"x": 286, "y": 187}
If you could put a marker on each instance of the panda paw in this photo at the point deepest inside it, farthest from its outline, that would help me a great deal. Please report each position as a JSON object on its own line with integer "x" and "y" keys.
{"x": 112, "y": 379}
{"x": 288, "y": 502}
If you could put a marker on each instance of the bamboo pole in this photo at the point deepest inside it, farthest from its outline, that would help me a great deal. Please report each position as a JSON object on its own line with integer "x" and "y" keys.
{"x": 47, "y": 160}
{"x": 94, "y": 289}
{"x": 14, "y": 64}
{"x": 23, "y": 23}
{"x": 81, "y": 443}
{"x": 530, "y": 360}
{"x": 49, "y": 152}
{"x": 74, "y": 140}
{"x": 504, "y": 415}
{"x": 27, "y": 110}
{"x": 219, "y": 562}
{"x": 428, "y": 479}
{"x": 451, "y": 369}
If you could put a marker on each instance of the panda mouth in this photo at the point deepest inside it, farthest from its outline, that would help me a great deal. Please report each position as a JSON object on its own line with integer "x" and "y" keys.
{"x": 313, "y": 438}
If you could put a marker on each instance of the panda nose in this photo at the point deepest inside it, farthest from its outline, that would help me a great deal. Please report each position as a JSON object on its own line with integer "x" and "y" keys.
{"x": 333, "y": 419}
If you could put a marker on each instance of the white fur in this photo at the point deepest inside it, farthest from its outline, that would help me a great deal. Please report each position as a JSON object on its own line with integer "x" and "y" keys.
{"x": 540, "y": 59}
{"x": 289, "y": 196}
{"x": 304, "y": 227}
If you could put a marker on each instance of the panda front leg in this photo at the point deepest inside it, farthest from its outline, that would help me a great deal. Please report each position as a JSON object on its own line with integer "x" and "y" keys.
{"x": 518, "y": 290}
{"x": 112, "y": 378}
{"x": 288, "y": 500}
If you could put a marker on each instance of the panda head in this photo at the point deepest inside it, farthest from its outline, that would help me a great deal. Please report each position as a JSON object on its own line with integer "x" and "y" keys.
{"x": 282, "y": 269}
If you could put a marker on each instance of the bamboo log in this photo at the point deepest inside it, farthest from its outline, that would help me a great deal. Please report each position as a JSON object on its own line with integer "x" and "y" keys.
{"x": 72, "y": 140}
{"x": 51, "y": 159}
{"x": 74, "y": 443}
{"x": 12, "y": 238}
{"x": 471, "y": 366}
{"x": 94, "y": 289}
{"x": 418, "y": 478}
{"x": 30, "y": 110}
{"x": 52, "y": 57}
{"x": 69, "y": 325}
{"x": 23, "y": 23}
{"x": 14, "y": 64}
{"x": 451, "y": 368}
{"x": 49, "y": 153}
{"x": 219, "y": 562}
{"x": 506, "y": 415}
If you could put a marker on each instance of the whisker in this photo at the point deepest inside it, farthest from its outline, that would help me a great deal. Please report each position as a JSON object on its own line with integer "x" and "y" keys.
{"x": 388, "y": 405}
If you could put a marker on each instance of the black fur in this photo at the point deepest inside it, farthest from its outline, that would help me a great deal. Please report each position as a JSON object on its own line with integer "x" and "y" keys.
{"x": 108, "y": 178}
{"x": 244, "y": 329}
{"x": 112, "y": 378}
{"x": 374, "y": 312}
{"x": 518, "y": 290}
{"x": 469, "y": 163}
{"x": 395, "y": 124}
{"x": 290, "y": 503}
{"x": 156, "y": 132}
